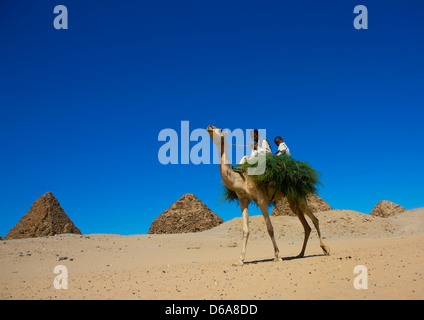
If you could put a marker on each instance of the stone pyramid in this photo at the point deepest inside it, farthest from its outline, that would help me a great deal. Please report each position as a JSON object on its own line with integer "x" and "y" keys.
{"x": 188, "y": 214}
{"x": 386, "y": 209}
{"x": 45, "y": 218}
{"x": 315, "y": 203}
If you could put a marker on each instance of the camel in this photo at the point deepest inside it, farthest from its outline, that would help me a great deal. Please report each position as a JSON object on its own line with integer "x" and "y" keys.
{"x": 247, "y": 191}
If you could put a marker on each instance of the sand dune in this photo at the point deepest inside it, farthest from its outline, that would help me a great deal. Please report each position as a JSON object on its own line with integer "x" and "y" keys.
{"x": 199, "y": 265}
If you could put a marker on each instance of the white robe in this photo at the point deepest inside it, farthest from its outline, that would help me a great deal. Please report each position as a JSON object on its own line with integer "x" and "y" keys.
{"x": 283, "y": 149}
{"x": 263, "y": 149}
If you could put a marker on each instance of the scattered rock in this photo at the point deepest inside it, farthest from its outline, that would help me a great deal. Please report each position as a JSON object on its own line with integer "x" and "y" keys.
{"x": 188, "y": 214}
{"x": 232, "y": 245}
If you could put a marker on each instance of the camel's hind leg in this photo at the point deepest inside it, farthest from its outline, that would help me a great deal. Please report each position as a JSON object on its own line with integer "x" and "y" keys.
{"x": 305, "y": 209}
{"x": 306, "y": 227}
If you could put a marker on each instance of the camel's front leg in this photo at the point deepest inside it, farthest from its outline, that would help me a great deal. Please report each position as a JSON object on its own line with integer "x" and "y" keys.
{"x": 264, "y": 210}
{"x": 244, "y": 205}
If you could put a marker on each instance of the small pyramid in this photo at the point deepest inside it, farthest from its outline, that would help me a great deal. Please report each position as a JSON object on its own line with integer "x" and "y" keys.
{"x": 45, "y": 218}
{"x": 386, "y": 209}
{"x": 315, "y": 203}
{"x": 188, "y": 214}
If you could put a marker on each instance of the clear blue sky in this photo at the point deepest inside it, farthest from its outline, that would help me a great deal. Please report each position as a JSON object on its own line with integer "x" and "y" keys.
{"x": 81, "y": 109}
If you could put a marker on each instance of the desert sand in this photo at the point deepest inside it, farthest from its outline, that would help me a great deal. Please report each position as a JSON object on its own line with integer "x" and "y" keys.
{"x": 199, "y": 265}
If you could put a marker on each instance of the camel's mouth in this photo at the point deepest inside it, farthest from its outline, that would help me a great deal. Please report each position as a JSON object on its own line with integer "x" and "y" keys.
{"x": 210, "y": 128}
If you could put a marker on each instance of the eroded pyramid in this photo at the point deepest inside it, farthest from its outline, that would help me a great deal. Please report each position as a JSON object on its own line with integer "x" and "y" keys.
{"x": 386, "y": 209}
{"x": 188, "y": 214}
{"x": 315, "y": 203}
{"x": 45, "y": 218}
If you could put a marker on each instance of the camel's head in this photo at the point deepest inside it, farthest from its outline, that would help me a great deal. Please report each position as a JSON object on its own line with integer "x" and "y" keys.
{"x": 217, "y": 135}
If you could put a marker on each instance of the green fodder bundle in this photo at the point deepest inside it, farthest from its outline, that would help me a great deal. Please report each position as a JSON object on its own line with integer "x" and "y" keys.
{"x": 228, "y": 194}
{"x": 295, "y": 179}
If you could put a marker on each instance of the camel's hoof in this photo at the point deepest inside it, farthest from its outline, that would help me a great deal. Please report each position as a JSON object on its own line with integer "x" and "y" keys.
{"x": 238, "y": 264}
{"x": 278, "y": 259}
{"x": 300, "y": 255}
{"x": 326, "y": 250}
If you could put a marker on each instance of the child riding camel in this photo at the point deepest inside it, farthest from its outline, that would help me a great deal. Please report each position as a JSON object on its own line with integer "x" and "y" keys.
{"x": 282, "y": 147}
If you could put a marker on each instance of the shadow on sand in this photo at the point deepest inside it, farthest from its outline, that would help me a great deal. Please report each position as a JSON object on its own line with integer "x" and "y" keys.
{"x": 284, "y": 258}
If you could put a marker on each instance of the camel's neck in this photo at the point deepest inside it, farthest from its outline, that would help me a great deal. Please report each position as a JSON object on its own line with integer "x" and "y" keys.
{"x": 229, "y": 177}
